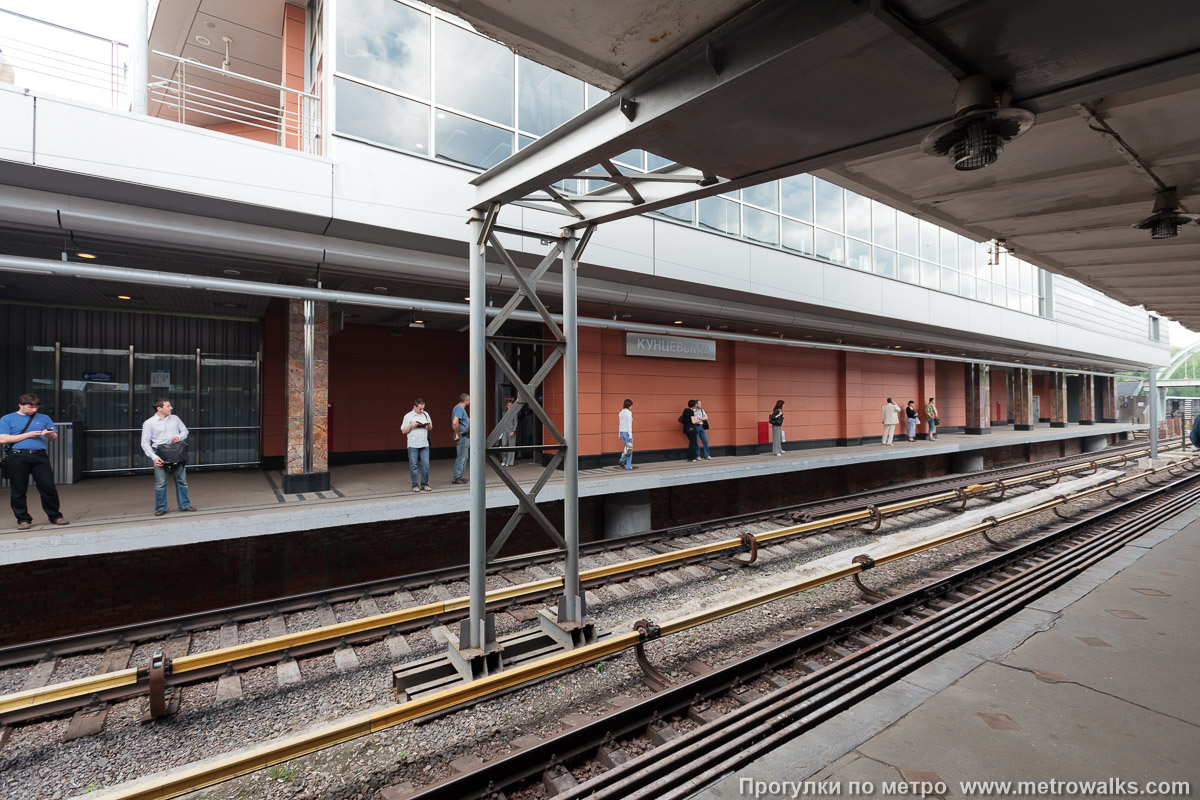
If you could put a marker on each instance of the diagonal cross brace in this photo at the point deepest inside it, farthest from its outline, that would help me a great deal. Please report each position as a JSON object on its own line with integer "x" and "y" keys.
{"x": 532, "y": 386}
{"x": 519, "y": 511}
{"x": 519, "y": 295}
{"x": 534, "y": 300}
{"x": 525, "y": 393}
{"x": 526, "y": 503}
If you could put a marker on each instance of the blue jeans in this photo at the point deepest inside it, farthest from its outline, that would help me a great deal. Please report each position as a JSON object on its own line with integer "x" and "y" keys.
{"x": 702, "y": 436}
{"x": 418, "y": 456}
{"x": 460, "y": 459}
{"x": 932, "y": 427}
{"x": 626, "y": 439}
{"x": 160, "y": 487}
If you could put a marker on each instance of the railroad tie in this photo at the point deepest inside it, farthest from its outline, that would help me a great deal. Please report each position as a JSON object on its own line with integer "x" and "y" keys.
{"x": 368, "y": 607}
{"x": 404, "y": 598}
{"x": 345, "y": 659}
{"x": 89, "y": 721}
{"x": 229, "y": 635}
{"x": 397, "y": 645}
{"x": 276, "y": 626}
{"x": 287, "y": 672}
{"x": 229, "y": 686}
{"x": 39, "y": 676}
{"x": 326, "y": 616}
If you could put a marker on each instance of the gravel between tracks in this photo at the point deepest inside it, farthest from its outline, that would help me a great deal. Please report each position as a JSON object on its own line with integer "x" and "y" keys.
{"x": 36, "y": 764}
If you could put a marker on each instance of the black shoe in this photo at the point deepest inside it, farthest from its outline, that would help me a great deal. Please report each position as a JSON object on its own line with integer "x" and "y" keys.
{"x": 458, "y": 480}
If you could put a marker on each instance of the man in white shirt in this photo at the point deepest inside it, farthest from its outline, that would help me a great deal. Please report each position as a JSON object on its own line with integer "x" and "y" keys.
{"x": 625, "y": 431}
{"x": 416, "y": 426}
{"x": 701, "y": 418}
{"x": 891, "y": 417}
{"x": 163, "y": 428}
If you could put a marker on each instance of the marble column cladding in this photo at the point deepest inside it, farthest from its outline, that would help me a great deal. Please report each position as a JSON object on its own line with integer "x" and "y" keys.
{"x": 320, "y": 415}
{"x": 295, "y": 388}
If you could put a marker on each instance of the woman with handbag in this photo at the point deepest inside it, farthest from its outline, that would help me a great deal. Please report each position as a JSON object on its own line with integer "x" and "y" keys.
{"x": 776, "y": 421}
{"x": 690, "y": 426}
{"x": 625, "y": 431}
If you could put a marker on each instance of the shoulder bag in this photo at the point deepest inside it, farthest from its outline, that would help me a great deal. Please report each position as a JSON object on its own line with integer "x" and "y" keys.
{"x": 6, "y": 449}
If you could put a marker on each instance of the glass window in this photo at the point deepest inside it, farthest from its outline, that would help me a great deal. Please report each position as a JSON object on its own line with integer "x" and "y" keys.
{"x": 966, "y": 286}
{"x": 1014, "y": 300}
{"x": 929, "y": 241}
{"x": 829, "y": 246}
{"x": 474, "y": 74}
{"x": 546, "y": 99}
{"x": 828, "y": 205}
{"x": 1028, "y": 304}
{"x": 721, "y": 215}
{"x": 966, "y": 256}
{"x": 906, "y": 234}
{"x": 1027, "y": 270}
{"x": 929, "y": 275}
{"x": 765, "y": 195}
{"x": 467, "y": 141}
{"x": 384, "y": 42}
{"x": 797, "y": 194}
{"x": 949, "y": 280}
{"x": 858, "y": 215}
{"x": 798, "y": 237}
{"x": 998, "y": 294}
{"x": 594, "y": 95}
{"x": 760, "y": 226}
{"x": 654, "y": 162}
{"x": 909, "y": 270}
{"x": 632, "y": 159}
{"x": 883, "y": 224}
{"x": 949, "y": 248}
{"x": 885, "y": 263}
{"x": 1012, "y": 270}
{"x": 985, "y": 292}
{"x": 736, "y": 194}
{"x": 381, "y": 117}
{"x": 684, "y": 212}
{"x": 858, "y": 255}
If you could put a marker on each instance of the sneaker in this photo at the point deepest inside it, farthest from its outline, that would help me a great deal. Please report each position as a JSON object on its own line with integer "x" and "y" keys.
{"x": 458, "y": 480}
{"x": 159, "y": 513}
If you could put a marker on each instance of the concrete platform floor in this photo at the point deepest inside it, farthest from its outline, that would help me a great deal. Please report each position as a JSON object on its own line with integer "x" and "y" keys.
{"x": 1095, "y": 682}
{"x": 115, "y": 514}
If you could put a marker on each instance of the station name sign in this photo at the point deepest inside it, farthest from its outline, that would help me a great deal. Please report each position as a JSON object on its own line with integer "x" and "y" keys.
{"x": 637, "y": 344}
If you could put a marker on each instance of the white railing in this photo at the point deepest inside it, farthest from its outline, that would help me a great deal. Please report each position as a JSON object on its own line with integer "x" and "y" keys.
{"x": 293, "y": 120}
{"x": 46, "y": 58}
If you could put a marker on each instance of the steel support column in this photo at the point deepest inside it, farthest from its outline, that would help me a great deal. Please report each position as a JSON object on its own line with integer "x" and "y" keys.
{"x": 1152, "y": 397}
{"x": 570, "y": 607}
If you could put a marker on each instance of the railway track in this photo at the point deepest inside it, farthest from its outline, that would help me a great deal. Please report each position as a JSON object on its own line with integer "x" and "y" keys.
{"x": 686, "y": 736}
{"x": 357, "y": 725}
{"x": 171, "y": 666}
{"x": 926, "y": 493}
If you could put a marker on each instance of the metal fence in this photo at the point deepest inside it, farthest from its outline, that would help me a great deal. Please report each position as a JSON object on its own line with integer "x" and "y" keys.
{"x": 54, "y": 59}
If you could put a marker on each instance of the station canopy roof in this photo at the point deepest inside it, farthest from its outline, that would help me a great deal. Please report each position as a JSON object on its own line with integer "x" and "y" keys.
{"x": 739, "y": 93}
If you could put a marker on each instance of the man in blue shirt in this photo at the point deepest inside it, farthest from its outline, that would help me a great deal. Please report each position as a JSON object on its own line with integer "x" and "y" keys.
{"x": 26, "y": 432}
{"x": 460, "y": 422}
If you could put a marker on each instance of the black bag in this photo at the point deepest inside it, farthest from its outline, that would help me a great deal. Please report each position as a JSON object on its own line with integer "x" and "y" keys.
{"x": 705, "y": 424}
{"x": 6, "y": 449}
{"x": 173, "y": 454}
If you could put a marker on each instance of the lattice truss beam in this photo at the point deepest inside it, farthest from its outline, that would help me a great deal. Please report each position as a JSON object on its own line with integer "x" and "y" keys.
{"x": 526, "y": 391}
{"x": 662, "y": 188}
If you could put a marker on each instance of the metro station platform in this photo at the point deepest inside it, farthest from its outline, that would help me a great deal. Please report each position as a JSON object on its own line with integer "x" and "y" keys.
{"x": 115, "y": 514}
{"x": 1088, "y": 684}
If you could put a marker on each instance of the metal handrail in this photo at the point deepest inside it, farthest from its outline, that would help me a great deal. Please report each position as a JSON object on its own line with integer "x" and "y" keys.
{"x": 176, "y": 93}
{"x": 139, "y": 430}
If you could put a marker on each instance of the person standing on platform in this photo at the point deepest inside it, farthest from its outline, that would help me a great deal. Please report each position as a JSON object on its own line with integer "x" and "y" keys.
{"x": 625, "y": 431}
{"x": 910, "y": 419}
{"x": 460, "y": 421}
{"x": 509, "y": 439}
{"x": 891, "y": 418}
{"x": 416, "y": 427}
{"x": 701, "y": 417}
{"x": 25, "y": 433}
{"x": 1194, "y": 436}
{"x": 931, "y": 419}
{"x": 776, "y": 422}
{"x": 161, "y": 429}
{"x": 688, "y": 419}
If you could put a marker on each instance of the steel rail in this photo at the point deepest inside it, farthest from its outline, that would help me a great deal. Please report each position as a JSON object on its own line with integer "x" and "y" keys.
{"x": 162, "y": 628}
{"x": 175, "y": 782}
{"x": 499, "y": 775}
{"x": 27, "y": 704}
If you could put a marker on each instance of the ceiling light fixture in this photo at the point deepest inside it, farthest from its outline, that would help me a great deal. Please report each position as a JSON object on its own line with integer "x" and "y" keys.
{"x": 204, "y": 40}
{"x": 678, "y": 322}
{"x": 381, "y": 288}
{"x": 225, "y": 63}
{"x": 981, "y": 127}
{"x": 85, "y": 255}
{"x": 231, "y": 272}
{"x": 1167, "y": 218}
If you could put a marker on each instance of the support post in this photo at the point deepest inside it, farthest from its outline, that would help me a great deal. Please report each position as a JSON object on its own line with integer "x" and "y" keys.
{"x": 1152, "y": 397}
{"x": 1108, "y": 411}
{"x": 1087, "y": 400}
{"x": 139, "y": 71}
{"x": 1023, "y": 400}
{"x": 1058, "y": 399}
{"x": 1010, "y": 388}
{"x": 979, "y": 399}
{"x": 570, "y": 608}
{"x": 307, "y": 467}
{"x": 473, "y": 641}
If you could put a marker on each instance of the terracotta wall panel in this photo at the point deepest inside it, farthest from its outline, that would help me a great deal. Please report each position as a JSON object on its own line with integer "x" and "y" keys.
{"x": 951, "y": 393}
